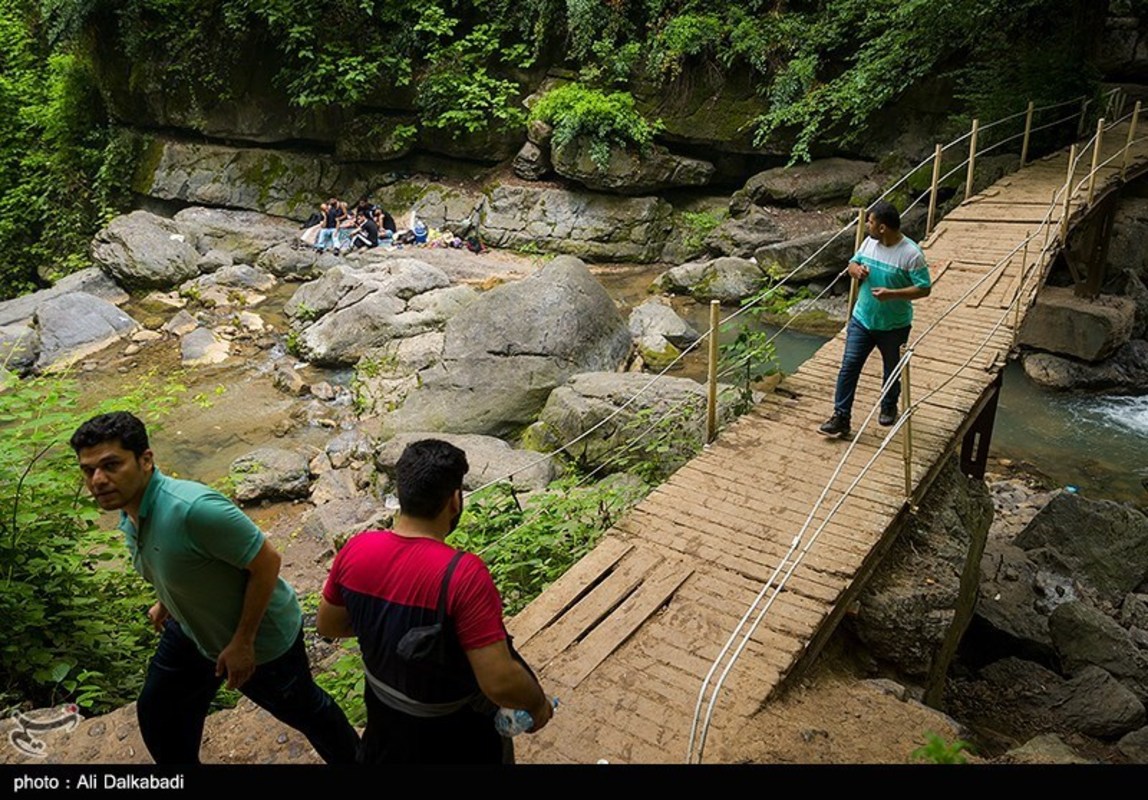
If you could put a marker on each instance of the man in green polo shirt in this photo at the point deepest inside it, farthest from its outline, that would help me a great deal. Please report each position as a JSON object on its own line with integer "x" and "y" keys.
{"x": 893, "y": 273}
{"x": 223, "y": 610}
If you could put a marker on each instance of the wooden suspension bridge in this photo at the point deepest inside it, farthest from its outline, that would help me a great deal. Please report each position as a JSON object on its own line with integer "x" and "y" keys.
{"x": 627, "y": 637}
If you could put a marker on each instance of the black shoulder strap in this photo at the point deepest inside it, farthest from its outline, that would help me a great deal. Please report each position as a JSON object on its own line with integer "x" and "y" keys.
{"x": 440, "y": 617}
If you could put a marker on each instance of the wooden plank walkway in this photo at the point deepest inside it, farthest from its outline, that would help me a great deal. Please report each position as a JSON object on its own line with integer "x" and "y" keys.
{"x": 627, "y": 636}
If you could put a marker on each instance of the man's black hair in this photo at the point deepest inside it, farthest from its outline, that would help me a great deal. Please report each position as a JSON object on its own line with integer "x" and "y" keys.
{"x": 428, "y": 474}
{"x": 886, "y": 214}
{"x": 120, "y": 426}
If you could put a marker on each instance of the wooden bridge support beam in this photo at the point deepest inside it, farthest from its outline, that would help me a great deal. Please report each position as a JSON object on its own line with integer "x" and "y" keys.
{"x": 1087, "y": 251}
{"x": 974, "y": 454}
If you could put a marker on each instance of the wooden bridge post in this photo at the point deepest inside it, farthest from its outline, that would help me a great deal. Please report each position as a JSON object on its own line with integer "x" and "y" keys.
{"x": 972, "y": 159}
{"x": 907, "y": 440}
{"x": 1020, "y": 288}
{"x": 1096, "y": 145}
{"x": 854, "y": 284}
{"x": 1068, "y": 193}
{"x": 711, "y": 395}
{"x": 1128, "y": 142}
{"x": 1027, "y": 133}
{"x": 1083, "y": 116}
{"x": 938, "y": 154}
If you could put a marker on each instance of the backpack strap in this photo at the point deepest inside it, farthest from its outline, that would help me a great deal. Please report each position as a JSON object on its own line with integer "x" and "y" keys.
{"x": 440, "y": 616}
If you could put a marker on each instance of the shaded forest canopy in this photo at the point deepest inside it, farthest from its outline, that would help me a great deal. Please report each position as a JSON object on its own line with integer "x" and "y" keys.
{"x": 823, "y": 69}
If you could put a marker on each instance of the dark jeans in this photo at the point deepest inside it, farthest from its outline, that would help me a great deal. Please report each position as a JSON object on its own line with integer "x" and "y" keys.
{"x": 465, "y": 737}
{"x": 180, "y": 684}
{"x": 859, "y": 343}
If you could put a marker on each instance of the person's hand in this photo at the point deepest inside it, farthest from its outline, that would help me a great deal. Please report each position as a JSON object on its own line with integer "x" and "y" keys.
{"x": 237, "y": 661}
{"x": 858, "y": 271}
{"x": 158, "y": 614}
{"x": 881, "y": 293}
{"x": 541, "y": 715}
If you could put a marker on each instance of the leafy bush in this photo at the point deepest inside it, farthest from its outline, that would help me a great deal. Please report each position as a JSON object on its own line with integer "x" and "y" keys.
{"x": 527, "y": 546}
{"x": 73, "y": 608}
{"x": 937, "y": 751}
{"x": 606, "y": 119}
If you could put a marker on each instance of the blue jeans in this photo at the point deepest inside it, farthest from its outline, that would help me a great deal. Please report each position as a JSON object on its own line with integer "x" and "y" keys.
{"x": 326, "y": 239}
{"x": 859, "y": 343}
{"x": 181, "y": 683}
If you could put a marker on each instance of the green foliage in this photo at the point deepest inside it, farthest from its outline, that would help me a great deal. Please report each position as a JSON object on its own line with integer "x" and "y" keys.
{"x": 73, "y": 608}
{"x": 937, "y": 751}
{"x": 529, "y": 544}
{"x": 697, "y": 225}
{"x": 750, "y": 357}
{"x": 605, "y": 119}
{"x": 683, "y": 37}
{"x": 54, "y": 146}
{"x": 345, "y": 682}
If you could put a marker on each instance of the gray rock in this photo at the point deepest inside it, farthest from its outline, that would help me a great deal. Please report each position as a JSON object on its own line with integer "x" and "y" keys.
{"x": 656, "y": 351}
{"x": 657, "y": 317}
{"x": 743, "y": 235}
{"x": 333, "y": 485}
{"x": 349, "y": 446}
{"x": 1062, "y": 323}
{"x": 508, "y": 349}
{"x": 532, "y": 162}
{"x": 445, "y": 208}
{"x": 361, "y": 310}
{"x": 1096, "y": 704}
{"x": 626, "y": 170}
{"x": 1137, "y": 292}
{"x": 239, "y": 276}
{"x": 826, "y": 253}
{"x": 75, "y": 325}
{"x": 806, "y": 185}
{"x": 1012, "y": 696}
{"x": 1134, "y": 611}
{"x": 1128, "y": 242}
{"x": 375, "y": 137}
{"x": 19, "y": 347}
{"x": 443, "y": 303}
{"x": 143, "y": 251}
{"x": 1125, "y": 371}
{"x": 728, "y": 280}
{"x": 214, "y": 260}
{"x": 1103, "y": 543}
{"x": 1134, "y": 746}
{"x": 203, "y": 347}
{"x": 490, "y": 459}
{"x": 244, "y": 235}
{"x": 906, "y": 608}
{"x": 1084, "y": 636}
{"x": 1048, "y": 748}
{"x": 294, "y": 262}
{"x": 181, "y": 323}
{"x": 1009, "y": 604}
{"x": 92, "y": 281}
{"x": 588, "y": 399}
{"x": 337, "y": 521}
{"x": 539, "y": 132}
{"x": 590, "y": 226}
{"x": 386, "y": 375}
{"x": 287, "y": 379}
{"x": 270, "y": 473}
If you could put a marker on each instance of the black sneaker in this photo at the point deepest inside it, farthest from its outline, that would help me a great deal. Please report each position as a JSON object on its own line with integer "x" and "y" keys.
{"x": 836, "y": 425}
{"x": 887, "y": 417}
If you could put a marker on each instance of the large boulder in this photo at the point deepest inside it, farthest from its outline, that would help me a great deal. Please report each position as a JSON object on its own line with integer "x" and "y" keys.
{"x": 243, "y": 236}
{"x": 741, "y": 236}
{"x": 590, "y": 226}
{"x": 1089, "y": 330}
{"x": 1125, "y": 371}
{"x": 386, "y": 375}
{"x": 1047, "y": 748}
{"x": 663, "y": 423}
{"x": 626, "y": 170}
{"x": 906, "y": 608}
{"x": 728, "y": 280}
{"x": 1014, "y": 601}
{"x": 532, "y": 162}
{"x": 1099, "y": 542}
{"x": 819, "y": 182}
{"x": 336, "y": 521}
{"x": 506, "y": 351}
{"x": 270, "y": 473}
{"x": 75, "y": 325}
{"x": 288, "y": 260}
{"x": 19, "y": 347}
{"x": 144, "y": 251}
{"x": 441, "y": 207}
{"x": 656, "y": 317}
{"x": 1084, "y": 636}
{"x": 813, "y": 257}
{"x": 489, "y": 459}
{"x": 348, "y": 312}
{"x": 1128, "y": 241}
{"x": 375, "y": 137}
{"x": 92, "y": 281}
{"x": 1096, "y": 704}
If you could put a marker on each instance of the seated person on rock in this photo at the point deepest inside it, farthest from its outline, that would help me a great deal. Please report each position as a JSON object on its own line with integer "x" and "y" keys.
{"x": 366, "y": 232}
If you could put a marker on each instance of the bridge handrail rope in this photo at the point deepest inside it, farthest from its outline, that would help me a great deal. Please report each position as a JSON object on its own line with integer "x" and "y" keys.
{"x": 902, "y": 419}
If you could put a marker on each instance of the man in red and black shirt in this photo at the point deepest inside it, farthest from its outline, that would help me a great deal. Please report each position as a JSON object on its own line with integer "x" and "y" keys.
{"x": 386, "y": 584}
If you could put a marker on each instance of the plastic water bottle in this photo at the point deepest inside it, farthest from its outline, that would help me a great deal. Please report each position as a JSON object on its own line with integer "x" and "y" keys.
{"x": 513, "y": 721}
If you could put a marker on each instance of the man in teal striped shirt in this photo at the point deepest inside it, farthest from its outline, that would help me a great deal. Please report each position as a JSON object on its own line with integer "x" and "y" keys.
{"x": 892, "y": 272}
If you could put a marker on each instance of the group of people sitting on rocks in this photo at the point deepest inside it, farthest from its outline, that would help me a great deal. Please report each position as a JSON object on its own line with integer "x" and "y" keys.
{"x": 339, "y": 228}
